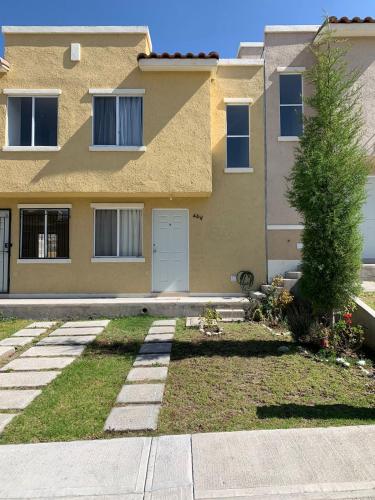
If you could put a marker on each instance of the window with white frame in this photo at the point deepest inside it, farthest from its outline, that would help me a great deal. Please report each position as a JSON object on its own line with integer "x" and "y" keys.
{"x": 118, "y": 121}
{"x": 32, "y": 121}
{"x": 118, "y": 232}
{"x": 291, "y": 105}
{"x": 44, "y": 233}
{"x": 238, "y": 136}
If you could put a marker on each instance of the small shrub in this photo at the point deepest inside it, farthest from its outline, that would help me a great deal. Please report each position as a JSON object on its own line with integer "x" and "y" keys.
{"x": 276, "y": 302}
{"x": 344, "y": 337}
{"x": 300, "y": 319}
{"x": 257, "y": 315}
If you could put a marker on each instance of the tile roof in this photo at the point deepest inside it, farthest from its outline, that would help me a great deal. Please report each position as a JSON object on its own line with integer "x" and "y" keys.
{"x": 346, "y": 20}
{"x": 178, "y": 55}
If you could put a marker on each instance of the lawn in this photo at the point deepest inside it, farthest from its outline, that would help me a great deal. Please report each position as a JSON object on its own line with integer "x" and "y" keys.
{"x": 240, "y": 381}
{"x": 369, "y": 298}
{"x": 76, "y": 404}
{"x": 10, "y": 326}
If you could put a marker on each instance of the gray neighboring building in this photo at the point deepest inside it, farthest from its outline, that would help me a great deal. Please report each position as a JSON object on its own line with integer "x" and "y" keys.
{"x": 287, "y": 55}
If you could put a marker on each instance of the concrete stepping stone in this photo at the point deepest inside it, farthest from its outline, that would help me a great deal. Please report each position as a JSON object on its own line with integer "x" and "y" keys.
{"x": 164, "y": 322}
{"x": 141, "y": 393}
{"x": 71, "y": 340}
{"x": 159, "y": 337}
{"x": 161, "y": 329}
{"x": 87, "y": 324}
{"x": 16, "y": 341}
{"x": 192, "y": 322}
{"x": 76, "y": 331}
{"x": 133, "y": 418}
{"x": 5, "y": 418}
{"x": 30, "y": 332}
{"x": 54, "y": 350}
{"x": 42, "y": 324}
{"x": 28, "y": 364}
{"x": 155, "y": 348}
{"x": 17, "y": 399}
{"x": 147, "y": 373}
{"x": 151, "y": 359}
{"x": 27, "y": 379}
{"x": 6, "y": 352}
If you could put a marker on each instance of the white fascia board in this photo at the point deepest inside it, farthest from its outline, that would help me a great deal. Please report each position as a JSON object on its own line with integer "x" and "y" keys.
{"x": 349, "y": 29}
{"x": 248, "y": 44}
{"x": 300, "y": 28}
{"x": 100, "y": 30}
{"x": 128, "y": 92}
{"x": 241, "y": 62}
{"x": 178, "y": 64}
{"x": 117, "y": 205}
{"x": 31, "y": 92}
{"x": 238, "y": 100}
{"x": 291, "y": 69}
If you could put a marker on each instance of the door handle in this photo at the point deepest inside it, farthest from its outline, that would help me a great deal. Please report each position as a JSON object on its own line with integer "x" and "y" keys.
{"x": 154, "y": 248}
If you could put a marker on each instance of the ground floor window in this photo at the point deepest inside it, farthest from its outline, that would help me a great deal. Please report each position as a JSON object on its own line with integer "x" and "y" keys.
{"x": 44, "y": 233}
{"x": 118, "y": 232}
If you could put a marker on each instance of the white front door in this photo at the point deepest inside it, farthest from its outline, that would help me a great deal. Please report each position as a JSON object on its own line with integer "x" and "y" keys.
{"x": 170, "y": 247}
{"x": 368, "y": 225}
{"x": 4, "y": 250}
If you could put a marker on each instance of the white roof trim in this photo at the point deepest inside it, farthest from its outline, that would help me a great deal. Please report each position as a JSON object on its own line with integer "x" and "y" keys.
{"x": 117, "y": 205}
{"x": 238, "y": 100}
{"x": 301, "y": 28}
{"x": 251, "y": 44}
{"x": 291, "y": 69}
{"x": 103, "y": 30}
{"x": 117, "y": 91}
{"x": 29, "y": 92}
{"x": 350, "y": 29}
{"x": 241, "y": 62}
{"x": 177, "y": 64}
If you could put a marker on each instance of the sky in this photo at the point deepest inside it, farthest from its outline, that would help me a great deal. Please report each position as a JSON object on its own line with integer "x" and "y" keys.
{"x": 183, "y": 25}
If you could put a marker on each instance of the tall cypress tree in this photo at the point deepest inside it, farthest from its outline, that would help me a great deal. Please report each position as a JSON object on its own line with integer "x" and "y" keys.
{"x": 327, "y": 182}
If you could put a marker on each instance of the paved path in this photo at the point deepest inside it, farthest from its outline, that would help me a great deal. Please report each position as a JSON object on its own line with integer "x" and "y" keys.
{"x": 138, "y": 404}
{"x": 335, "y": 462}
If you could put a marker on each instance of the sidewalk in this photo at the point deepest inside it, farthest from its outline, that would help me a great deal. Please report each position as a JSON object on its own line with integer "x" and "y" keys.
{"x": 335, "y": 462}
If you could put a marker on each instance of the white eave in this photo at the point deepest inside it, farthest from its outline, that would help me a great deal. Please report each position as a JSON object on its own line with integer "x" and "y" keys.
{"x": 243, "y": 45}
{"x": 4, "y": 65}
{"x": 241, "y": 62}
{"x": 350, "y": 29}
{"x": 296, "y": 28}
{"x": 178, "y": 64}
{"x": 78, "y": 30}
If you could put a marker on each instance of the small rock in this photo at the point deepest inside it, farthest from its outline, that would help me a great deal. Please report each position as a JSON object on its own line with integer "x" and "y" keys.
{"x": 283, "y": 348}
{"x": 346, "y": 364}
{"x": 366, "y": 372}
{"x": 208, "y": 334}
{"x": 340, "y": 360}
{"x": 361, "y": 362}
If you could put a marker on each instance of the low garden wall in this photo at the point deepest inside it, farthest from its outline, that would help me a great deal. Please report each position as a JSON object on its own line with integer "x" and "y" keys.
{"x": 364, "y": 315}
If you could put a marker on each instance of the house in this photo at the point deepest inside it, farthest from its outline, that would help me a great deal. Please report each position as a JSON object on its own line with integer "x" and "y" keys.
{"x": 124, "y": 171}
{"x": 287, "y": 55}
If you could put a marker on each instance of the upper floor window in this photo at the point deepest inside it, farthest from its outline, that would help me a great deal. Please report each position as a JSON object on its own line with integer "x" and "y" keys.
{"x": 44, "y": 233}
{"x": 238, "y": 136}
{"x": 32, "y": 121}
{"x": 291, "y": 106}
{"x": 118, "y": 121}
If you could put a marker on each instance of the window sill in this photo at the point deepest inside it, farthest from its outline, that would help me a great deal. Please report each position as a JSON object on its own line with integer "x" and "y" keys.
{"x": 117, "y": 148}
{"x": 288, "y": 138}
{"x": 44, "y": 261}
{"x": 238, "y": 170}
{"x": 31, "y": 148}
{"x": 118, "y": 259}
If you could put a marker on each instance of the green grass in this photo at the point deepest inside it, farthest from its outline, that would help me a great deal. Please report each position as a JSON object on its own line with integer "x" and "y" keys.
{"x": 10, "y": 326}
{"x": 76, "y": 404}
{"x": 239, "y": 381}
{"x": 369, "y": 298}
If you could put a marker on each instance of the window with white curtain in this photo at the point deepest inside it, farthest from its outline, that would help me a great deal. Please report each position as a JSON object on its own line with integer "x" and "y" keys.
{"x": 118, "y": 232}
{"x": 118, "y": 121}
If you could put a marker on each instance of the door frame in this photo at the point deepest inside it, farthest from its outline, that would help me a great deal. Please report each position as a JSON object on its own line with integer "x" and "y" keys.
{"x": 152, "y": 246}
{"x": 9, "y": 210}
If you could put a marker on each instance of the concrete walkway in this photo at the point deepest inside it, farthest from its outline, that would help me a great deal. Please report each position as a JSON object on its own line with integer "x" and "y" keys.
{"x": 335, "y": 462}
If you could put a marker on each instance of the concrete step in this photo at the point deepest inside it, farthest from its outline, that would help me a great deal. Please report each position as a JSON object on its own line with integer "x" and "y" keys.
{"x": 267, "y": 288}
{"x": 289, "y": 283}
{"x": 257, "y": 295}
{"x": 231, "y": 313}
{"x": 368, "y": 272}
{"x": 294, "y": 275}
{"x": 192, "y": 322}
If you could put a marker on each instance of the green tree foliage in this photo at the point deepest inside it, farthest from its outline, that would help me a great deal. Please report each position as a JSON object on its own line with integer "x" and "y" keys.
{"x": 327, "y": 182}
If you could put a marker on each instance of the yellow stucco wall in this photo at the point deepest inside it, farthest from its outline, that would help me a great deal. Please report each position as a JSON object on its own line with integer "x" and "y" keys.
{"x": 186, "y": 141}
{"x": 176, "y": 120}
